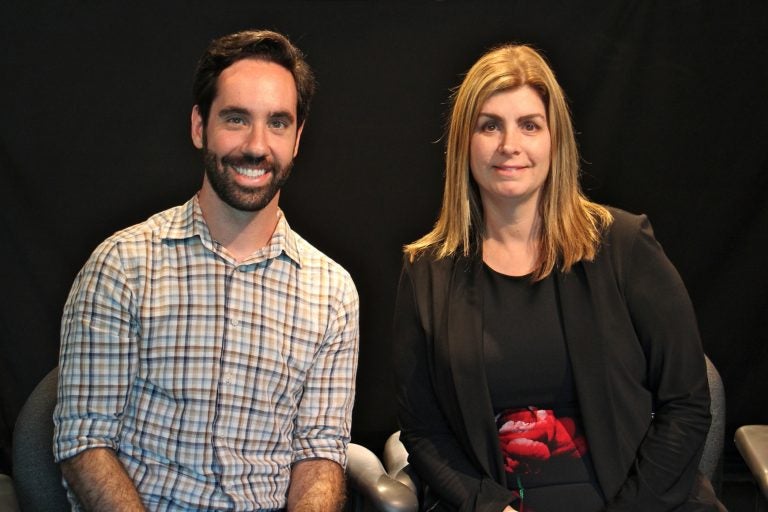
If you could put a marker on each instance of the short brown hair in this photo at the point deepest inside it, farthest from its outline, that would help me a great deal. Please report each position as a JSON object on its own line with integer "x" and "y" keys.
{"x": 251, "y": 44}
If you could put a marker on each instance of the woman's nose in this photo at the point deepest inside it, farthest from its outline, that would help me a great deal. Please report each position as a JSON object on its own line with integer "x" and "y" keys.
{"x": 510, "y": 142}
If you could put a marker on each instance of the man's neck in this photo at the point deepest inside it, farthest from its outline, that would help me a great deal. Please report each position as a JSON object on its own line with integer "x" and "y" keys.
{"x": 241, "y": 233}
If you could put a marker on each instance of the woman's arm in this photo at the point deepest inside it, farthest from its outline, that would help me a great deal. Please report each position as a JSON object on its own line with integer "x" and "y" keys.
{"x": 433, "y": 449}
{"x": 664, "y": 320}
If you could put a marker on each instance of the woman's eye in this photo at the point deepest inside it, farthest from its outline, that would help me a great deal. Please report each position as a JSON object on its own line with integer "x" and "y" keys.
{"x": 530, "y": 126}
{"x": 490, "y": 126}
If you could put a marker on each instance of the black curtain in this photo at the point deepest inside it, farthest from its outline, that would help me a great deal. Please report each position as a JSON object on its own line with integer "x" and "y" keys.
{"x": 668, "y": 99}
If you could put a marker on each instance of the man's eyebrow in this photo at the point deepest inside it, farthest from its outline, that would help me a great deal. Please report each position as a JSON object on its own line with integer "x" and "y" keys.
{"x": 282, "y": 114}
{"x": 227, "y": 111}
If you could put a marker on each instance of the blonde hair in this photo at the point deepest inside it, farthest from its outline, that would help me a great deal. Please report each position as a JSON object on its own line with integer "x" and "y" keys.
{"x": 571, "y": 225}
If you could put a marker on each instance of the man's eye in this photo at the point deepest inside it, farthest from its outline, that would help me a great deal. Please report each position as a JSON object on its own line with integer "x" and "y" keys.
{"x": 278, "y": 123}
{"x": 235, "y": 120}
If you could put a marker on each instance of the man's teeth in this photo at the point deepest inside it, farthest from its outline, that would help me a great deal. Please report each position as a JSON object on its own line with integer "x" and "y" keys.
{"x": 251, "y": 173}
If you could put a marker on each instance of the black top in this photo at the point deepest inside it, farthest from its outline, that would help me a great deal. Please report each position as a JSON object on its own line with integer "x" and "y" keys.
{"x": 534, "y": 399}
{"x": 521, "y": 323}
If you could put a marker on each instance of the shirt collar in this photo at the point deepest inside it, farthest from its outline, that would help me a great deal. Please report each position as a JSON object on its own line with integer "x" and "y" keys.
{"x": 187, "y": 221}
{"x": 283, "y": 241}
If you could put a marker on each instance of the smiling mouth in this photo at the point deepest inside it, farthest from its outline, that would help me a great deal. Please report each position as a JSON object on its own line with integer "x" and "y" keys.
{"x": 249, "y": 172}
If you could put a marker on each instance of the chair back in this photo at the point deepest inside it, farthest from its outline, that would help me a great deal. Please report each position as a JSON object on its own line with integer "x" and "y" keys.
{"x": 711, "y": 459}
{"x": 36, "y": 477}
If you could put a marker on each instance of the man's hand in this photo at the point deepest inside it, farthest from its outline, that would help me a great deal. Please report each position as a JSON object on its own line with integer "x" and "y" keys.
{"x": 100, "y": 481}
{"x": 317, "y": 485}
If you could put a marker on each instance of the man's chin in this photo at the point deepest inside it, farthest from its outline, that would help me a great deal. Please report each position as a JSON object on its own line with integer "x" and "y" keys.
{"x": 250, "y": 204}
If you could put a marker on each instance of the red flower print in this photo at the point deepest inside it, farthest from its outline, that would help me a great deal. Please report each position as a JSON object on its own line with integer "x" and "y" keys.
{"x": 530, "y": 437}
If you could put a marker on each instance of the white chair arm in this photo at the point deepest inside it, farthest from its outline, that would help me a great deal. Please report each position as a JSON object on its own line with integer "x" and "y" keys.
{"x": 367, "y": 475}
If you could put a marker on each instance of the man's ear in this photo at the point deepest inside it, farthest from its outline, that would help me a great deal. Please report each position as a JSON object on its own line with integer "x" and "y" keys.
{"x": 197, "y": 127}
{"x": 298, "y": 138}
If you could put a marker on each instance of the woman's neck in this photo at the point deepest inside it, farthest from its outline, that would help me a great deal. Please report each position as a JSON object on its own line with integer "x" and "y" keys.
{"x": 511, "y": 241}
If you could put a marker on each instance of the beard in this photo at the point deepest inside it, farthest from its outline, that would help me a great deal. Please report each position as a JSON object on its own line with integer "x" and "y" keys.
{"x": 239, "y": 197}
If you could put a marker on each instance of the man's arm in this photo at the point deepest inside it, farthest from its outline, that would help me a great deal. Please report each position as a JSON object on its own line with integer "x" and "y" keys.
{"x": 317, "y": 485}
{"x": 100, "y": 482}
{"x": 324, "y": 413}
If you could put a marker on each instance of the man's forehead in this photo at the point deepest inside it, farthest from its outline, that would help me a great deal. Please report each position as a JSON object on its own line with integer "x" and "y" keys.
{"x": 256, "y": 66}
{"x": 256, "y": 80}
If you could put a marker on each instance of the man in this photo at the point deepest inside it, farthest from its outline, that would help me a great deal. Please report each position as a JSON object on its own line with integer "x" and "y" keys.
{"x": 208, "y": 354}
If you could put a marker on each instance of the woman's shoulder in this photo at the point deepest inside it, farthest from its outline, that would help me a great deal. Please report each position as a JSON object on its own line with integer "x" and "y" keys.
{"x": 625, "y": 226}
{"x": 429, "y": 265}
{"x": 427, "y": 260}
{"x": 628, "y": 235}
{"x": 624, "y": 220}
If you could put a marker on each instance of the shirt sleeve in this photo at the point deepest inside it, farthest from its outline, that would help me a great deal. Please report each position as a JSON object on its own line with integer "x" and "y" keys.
{"x": 97, "y": 355}
{"x": 665, "y": 466}
{"x": 433, "y": 448}
{"x": 324, "y": 416}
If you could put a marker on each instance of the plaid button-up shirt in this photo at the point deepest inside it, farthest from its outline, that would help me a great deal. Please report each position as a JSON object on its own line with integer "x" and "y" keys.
{"x": 208, "y": 377}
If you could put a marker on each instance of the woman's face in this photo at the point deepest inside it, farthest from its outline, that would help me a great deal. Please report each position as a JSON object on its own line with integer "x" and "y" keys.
{"x": 510, "y": 148}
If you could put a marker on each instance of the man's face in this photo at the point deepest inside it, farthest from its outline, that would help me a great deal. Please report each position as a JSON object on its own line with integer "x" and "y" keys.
{"x": 251, "y": 136}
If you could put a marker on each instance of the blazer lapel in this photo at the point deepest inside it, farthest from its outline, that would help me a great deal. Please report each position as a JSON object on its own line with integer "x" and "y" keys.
{"x": 593, "y": 385}
{"x": 465, "y": 345}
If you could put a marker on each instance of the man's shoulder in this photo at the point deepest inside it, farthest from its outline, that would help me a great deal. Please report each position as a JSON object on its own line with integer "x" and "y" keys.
{"x": 133, "y": 241}
{"x": 314, "y": 259}
{"x": 149, "y": 229}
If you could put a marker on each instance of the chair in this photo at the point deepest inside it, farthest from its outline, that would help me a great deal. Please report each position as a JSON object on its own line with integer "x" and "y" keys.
{"x": 752, "y": 443}
{"x": 8, "y": 502}
{"x": 373, "y": 488}
{"x": 711, "y": 459}
{"x": 394, "y": 469}
{"x": 36, "y": 476}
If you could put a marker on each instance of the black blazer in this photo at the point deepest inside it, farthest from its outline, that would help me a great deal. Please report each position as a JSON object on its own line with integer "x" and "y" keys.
{"x": 635, "y": 351}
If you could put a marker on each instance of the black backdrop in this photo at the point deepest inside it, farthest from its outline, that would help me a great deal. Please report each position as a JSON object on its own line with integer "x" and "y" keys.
{"x": 668, "y": 97}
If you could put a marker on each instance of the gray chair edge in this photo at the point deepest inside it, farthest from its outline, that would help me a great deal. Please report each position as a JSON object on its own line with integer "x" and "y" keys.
{"x": 752, "y": 443}
{"x": 36, "y": 477}
{"x": 368, "y": 477}
{"x": 711, "y": 459}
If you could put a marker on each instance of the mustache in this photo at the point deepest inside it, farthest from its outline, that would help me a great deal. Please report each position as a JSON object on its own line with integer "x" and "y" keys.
{"x": 247, "y": 159}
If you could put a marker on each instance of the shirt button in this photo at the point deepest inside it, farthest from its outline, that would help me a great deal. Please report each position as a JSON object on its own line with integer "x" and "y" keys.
{"x": 227, "y": 378}
{"x": 234, "y": 322}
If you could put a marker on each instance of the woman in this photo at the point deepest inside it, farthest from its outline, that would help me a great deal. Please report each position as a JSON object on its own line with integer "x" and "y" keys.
{"x": 547, "y": 353}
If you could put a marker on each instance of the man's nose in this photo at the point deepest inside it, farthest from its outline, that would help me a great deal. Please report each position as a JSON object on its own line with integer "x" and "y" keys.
{"x": 256, "y": 141}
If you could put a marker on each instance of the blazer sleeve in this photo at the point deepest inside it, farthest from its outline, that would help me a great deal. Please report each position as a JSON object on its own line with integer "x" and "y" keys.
{"x": 666, "y": 462}
{"x": 433, "y": 448}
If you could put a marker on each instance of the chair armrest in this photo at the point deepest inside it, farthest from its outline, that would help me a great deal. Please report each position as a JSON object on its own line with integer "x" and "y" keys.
{"x": 8, "y": 501}
{"x": 396, "y": 460}
{"x": 368, "y": 477}
{"x": 752, "y": 442}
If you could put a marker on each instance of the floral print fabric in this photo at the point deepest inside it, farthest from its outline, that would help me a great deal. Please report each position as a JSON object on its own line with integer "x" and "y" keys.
{"x": 531, "y": 438}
